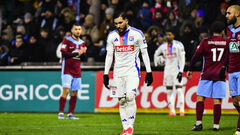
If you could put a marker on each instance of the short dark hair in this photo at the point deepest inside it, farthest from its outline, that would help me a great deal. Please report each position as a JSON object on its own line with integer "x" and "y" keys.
{"x": 120, "y": 14}
{"x": 170, "y": 30}
{"x": 76, "y": 24}
{"x": 217, "y": 27}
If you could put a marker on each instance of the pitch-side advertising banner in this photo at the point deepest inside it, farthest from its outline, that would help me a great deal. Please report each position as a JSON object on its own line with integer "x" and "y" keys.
{"x": 153, "y": 99}
{"x": 39, "y": 91}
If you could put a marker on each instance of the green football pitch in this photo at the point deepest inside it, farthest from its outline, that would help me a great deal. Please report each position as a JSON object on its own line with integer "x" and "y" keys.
{"x": 109, "y": 124}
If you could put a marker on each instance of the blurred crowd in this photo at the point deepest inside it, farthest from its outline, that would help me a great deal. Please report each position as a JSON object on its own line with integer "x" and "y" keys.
{"x": 31, "y": 30}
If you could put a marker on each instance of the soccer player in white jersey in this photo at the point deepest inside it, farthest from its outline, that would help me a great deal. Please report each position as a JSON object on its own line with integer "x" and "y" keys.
{"x": 173, "y": 54}
{"x": 125, "y": 43}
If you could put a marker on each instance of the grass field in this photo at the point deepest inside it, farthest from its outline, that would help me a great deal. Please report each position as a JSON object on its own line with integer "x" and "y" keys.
{"x": 109, "y": 124}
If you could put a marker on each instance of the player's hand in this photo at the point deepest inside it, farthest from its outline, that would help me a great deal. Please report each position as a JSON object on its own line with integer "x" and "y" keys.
{"x": 149, "y": 79}
{"x": 179, "y": 76}
{"x": 106, "y": 81}
{"x": 222, "y": 73}
{"x": 84, "y": 49}
{"x": 189, "y": 75}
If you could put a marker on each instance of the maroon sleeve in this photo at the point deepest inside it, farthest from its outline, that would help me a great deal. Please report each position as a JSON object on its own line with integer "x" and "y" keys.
{"x": 65, "y": 51}
{"x": 194, "y": 59}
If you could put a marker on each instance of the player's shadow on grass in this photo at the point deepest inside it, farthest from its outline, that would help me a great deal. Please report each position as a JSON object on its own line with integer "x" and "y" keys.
{"x": 221, "y": 128}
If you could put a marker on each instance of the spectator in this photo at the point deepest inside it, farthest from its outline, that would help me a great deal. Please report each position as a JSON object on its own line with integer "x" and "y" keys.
{"x": 3, "y": 55}
{"x": 18, "y": 52}
{"x": 48, "y": 45}
{"x": 171, "y": 22}
{"x": 90, "y": 28}
{"x": 48, "y": 21}
{"x": 92, "y": 50}
{"x": 134, "y": 5}
{"x": 67, "y": 18}
{"x": 151, "y": 46}
{"x": 132, "y": 19}
{"x": 185, "y": 7}
{"x": 21, "y": 30}
{"x": 35, "y": 50}
{"x": 4, "y": 39}
{"x": 144, "y": 15}
{"x": 221, "y": 15}
{"x": 29, "y": 24}
{"x": 158, "y": 19}
{"x": 189, "y": 39}
{"x": 107, "y": 25}
{"x": 160, "y": 39}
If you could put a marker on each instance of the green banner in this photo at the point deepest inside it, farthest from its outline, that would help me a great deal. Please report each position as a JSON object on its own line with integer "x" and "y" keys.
{"x": 39, "y": 91}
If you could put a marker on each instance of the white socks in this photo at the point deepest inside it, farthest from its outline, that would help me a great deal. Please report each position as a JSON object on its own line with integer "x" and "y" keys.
{"x": 171, "y": 100}
{"x": 181, "y": 99}
{"x": 198, "y": 122}
{"x": 123, "y": 114}
{"x": 131, "y": 112}
{"x": 127, "y": 110}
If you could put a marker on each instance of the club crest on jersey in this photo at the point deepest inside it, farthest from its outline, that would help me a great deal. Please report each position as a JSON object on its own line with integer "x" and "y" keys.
{"x": 116, "y": 40}
{"x": 124, "y": 48}
{"x": 131, "y": 38}
{"x": 114, "y": 89}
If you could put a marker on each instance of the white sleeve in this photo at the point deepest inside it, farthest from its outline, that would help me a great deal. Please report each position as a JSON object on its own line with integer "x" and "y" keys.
{"x": 58, "y": 51}
{"x": 157, "y": 56}
{"x": 146, "y": 59}
{"x": 142, "y": 41}
{"x": 109, "y": 56}
{"x": 181, "y": 57}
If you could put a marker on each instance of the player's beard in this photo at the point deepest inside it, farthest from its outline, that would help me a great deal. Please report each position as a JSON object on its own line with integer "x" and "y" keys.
{"x": 123, "y": 30}
{"x": 232, "y": 20}
{"x": 76, "y": 36}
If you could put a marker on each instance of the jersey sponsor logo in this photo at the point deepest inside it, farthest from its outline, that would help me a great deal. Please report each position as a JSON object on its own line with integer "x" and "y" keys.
{"x": 217, "y": 42}
{"x": 234, "y": 47}
{"x": 71, "y": 47}
{"x": 131, "y": 38}
{"x": 124, "y": 48}
{"x": 116, "y": 40}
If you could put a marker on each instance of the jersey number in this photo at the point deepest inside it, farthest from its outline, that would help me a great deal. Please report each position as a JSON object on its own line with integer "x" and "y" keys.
{"x": 214, "y": 51}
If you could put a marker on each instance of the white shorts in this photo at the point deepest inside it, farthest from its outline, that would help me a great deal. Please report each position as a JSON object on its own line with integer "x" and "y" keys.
{"x": 170, "y": 79}
{"x": 121, "y": 86}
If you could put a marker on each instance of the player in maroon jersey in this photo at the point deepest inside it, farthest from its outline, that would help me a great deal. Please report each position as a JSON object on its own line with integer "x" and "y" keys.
{"x": 233, "y": 35}
{"x": 212, "y": 83}
{"x": 72, "y": 48}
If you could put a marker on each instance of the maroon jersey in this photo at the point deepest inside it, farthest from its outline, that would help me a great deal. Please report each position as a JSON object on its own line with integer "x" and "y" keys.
{"x": 214, "y": 51}
{"x": 71, "y": 63}
{"x": 233, "y": 35}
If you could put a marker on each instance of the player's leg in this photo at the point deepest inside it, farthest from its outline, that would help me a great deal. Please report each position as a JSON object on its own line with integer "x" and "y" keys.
{"x": 118, "y": 90}
{"x": 236, "y": 101}
{"x": 234, "y": 83}
{"x": 132, "y": 83}
{"x": 181, "y": 99}
{"x": 76, "y": 85}
{"x": 66, "y": 84}
{"x": 171, "y": 100}
{"x": 168, "y": 83}
{"x": 219, "y": 92}
{"x": 123, "y": 114}
{"x": 216, "y": 113}
{"x": 204, "y": 90}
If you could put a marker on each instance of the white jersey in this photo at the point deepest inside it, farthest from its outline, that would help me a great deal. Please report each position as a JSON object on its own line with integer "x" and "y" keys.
{"x": 126, "y": 50}
{"x": 174, "y": 56}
